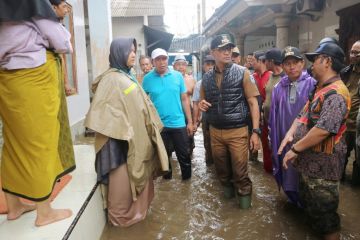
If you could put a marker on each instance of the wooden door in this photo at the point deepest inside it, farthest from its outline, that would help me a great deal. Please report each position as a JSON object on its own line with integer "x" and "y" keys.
{"x": 349, "y": 28}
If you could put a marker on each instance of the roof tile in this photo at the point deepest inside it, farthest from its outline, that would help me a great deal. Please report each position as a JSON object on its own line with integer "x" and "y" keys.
{"x": 134, "y": 8}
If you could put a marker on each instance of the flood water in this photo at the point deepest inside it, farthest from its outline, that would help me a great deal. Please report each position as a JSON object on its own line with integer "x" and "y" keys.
{"x": 196, "y": 209}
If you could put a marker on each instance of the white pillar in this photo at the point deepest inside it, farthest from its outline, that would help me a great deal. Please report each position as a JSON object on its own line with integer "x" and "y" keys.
{"x": 282, "y": 31}
{"x": 241, "y": 44}
{"x": 146, "y": 20}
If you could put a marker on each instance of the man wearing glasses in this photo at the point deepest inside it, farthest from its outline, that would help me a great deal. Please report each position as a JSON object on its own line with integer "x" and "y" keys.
{"x": 317, "y": 141}
{"x": 351, "y": 77}
{"x": 228, "y": 95}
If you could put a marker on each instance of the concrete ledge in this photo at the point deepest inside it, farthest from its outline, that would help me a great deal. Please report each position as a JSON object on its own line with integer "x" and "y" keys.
{"x": 77, "y": 129}
{"x": 90, "y": 222}
{"x": 81, "y": 195}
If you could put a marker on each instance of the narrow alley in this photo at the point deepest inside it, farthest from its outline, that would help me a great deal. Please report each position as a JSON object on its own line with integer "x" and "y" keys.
{"x": 196, "y": 209}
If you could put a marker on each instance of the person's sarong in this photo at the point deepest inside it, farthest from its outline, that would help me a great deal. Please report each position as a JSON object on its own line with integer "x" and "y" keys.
{"x": 37, "y": 140}
{"x": 122, "y": 209}
{"x": 112, "y": 171}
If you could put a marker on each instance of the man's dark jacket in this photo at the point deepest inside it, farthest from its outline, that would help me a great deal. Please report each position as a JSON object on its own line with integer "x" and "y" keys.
{"x": 229, "y": 107}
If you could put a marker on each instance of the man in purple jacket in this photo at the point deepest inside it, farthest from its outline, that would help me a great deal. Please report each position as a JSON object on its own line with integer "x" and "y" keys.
{"x": 288, "y": 98}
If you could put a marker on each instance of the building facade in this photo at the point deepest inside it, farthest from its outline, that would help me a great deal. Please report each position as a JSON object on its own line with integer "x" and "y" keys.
{"x": 262, "y": 24}
{"x": 143, "y": 20}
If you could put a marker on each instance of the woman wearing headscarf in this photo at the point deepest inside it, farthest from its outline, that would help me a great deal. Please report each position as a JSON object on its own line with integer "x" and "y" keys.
{"x": 37, "y": 147}
{"x": 129, "y": 149}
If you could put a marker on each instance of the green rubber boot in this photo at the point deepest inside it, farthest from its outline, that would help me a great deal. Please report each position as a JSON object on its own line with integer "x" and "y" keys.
{"x": 244, "y": 201}
{"x": 229, "y": 192}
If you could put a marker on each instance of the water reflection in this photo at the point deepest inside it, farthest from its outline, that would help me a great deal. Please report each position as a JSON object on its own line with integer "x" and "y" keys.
{"x": 196, "y": 209}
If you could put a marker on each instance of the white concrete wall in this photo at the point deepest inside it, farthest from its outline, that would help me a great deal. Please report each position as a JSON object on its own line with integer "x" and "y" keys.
{"x": 130, "y": 27}
{"x": 257, "y": 43}
{"x": 100, "y": 35}
{"x": 294, "y": 34}
{"x": 100, "y": 38}
{"x": 78, "y": 105}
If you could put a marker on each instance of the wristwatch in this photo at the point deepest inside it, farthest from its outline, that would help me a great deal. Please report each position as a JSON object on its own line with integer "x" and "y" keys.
{"x": 257, "y": 131}
{"x": 294, "y": 150}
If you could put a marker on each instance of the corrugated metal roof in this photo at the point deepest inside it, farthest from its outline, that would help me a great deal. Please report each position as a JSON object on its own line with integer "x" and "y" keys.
{"x": 190, "y": 44}
{"x": 135, "y": 8}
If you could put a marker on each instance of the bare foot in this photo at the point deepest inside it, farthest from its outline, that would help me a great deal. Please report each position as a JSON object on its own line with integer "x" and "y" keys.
{"x": 24, "y": 208}
{"x": 54, "y": 215}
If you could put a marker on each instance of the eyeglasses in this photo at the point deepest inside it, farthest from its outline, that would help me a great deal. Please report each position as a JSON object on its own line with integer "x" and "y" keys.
{"x": 320, "y": 56}
{"x": 354, "y": 52}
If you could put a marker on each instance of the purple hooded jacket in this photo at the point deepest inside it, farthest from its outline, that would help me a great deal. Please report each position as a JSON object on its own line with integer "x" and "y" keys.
{"x": 287, "y": 101}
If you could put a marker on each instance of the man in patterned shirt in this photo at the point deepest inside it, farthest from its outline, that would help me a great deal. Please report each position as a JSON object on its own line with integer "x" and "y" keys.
{"x": 318, "y": 143}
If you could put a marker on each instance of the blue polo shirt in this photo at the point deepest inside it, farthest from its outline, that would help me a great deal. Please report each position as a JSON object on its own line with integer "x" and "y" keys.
{"x": 165, "y": 92}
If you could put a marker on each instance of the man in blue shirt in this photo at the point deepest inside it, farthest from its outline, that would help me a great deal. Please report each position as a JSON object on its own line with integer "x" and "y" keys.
{"x": 209, "y": 63}
{"x": 167, "y": 90}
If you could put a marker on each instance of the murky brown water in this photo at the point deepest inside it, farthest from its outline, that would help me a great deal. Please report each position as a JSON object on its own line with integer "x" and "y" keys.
{"x": 196, "y": 209}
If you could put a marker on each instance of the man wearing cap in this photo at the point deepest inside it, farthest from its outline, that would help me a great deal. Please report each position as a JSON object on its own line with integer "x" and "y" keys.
{"x": 167, "y": 91}
{"x": 180, "y": 64}
{"x": 273, "y": 62}
{"x": 288, "y": 98}
{"x": 317, "y": 141}
{"x": 249, "y": 64}
{"x": 262, "y": 75}
{"x": 249, "y": 61}
{"x": 228, "y": 94}
{"x": 351, "y": 77}
{"x": 235, "y": 56}
{"x": 209, "y": 63}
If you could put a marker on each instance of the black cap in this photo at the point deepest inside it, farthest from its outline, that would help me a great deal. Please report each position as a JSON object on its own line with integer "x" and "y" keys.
{"x": 259, "y": 55}
{"x": 328, "y": 48}
{"x": 221, "y": 41}
{"x": 274, "y": 54}
{"x": 327, "y": 40}
{"x": 209, "y": 58}
{"x": 291, "y": 52}
{"x": 235, "y": 51}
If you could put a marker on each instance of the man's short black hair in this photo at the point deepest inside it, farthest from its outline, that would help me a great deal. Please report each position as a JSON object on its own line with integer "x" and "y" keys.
{"x": 336, "y": 65}
{"x": 56, "y": 2}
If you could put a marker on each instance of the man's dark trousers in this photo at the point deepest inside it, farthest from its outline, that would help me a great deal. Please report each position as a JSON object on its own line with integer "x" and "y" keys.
{"x": 180, "y": 142}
